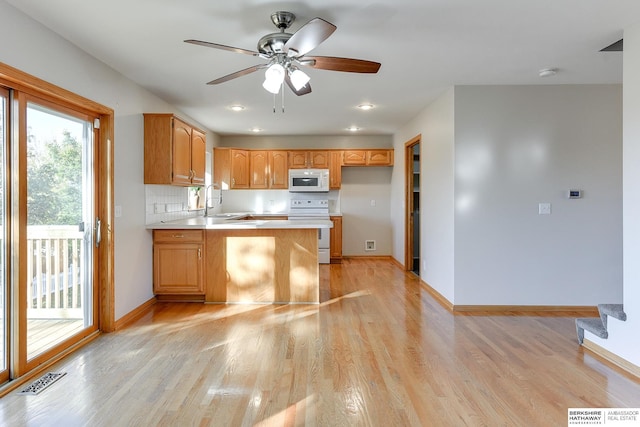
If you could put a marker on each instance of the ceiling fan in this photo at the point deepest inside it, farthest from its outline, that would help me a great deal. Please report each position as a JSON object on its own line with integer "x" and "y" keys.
{"x": 287, "y": 52}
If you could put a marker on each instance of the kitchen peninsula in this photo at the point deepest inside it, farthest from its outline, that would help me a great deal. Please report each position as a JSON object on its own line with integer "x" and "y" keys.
{"x": 227, "y": 259}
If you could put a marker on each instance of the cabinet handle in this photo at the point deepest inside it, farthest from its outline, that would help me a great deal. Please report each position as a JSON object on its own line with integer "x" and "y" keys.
{"x": 177, "y": 236}
{"x": 199, "y": 253}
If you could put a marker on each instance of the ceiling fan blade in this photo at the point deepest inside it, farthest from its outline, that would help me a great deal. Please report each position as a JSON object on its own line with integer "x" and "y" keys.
{"x": 309, "y": 37}
{"x": 332, "y": 63}
{"x": 236, "y": 74}
{"x": 223, "y": 47}
{"x": 302, "y": 91}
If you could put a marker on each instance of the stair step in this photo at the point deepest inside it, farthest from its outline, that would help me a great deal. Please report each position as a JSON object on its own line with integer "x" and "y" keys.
{"x": 613, "y": 310}
{"x": 591, "y": 324}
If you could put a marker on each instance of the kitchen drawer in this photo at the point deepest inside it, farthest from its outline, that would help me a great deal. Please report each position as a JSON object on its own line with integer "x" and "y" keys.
{"x": 178, "y": 236}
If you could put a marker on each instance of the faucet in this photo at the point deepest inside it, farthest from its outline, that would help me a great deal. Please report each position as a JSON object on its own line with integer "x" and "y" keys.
{"x": 208, "y": 188}
{"x": 206, "y": 199}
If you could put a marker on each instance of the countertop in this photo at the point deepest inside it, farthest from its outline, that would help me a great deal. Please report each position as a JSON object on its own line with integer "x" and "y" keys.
{"x": 233, "y": 221}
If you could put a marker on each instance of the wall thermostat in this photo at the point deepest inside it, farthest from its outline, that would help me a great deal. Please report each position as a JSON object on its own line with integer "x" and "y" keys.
{"x": 575, "y": 194}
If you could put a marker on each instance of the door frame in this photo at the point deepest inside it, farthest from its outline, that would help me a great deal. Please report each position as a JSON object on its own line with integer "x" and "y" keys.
{"x": 22, "y": 82}
{"x": 4, "y": 281}
{"x": 408, "y": 207}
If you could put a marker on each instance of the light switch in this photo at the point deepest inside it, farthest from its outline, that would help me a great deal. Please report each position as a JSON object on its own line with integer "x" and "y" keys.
{"x": 544, "y": 208}
{"x": 118, "y": 211}
{"x": 373, "y": 202}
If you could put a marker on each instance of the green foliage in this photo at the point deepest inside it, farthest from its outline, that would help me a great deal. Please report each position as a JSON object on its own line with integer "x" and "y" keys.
{"x": 54, "y": 182}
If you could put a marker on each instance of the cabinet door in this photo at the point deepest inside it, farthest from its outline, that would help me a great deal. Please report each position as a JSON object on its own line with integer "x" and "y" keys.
{"x": 198, "y": 156}
{"x": 181, "y": 152}
{"x": 335, "y": 239}
{"x": 380, "y": 157}
{"x": 319, "y": 159}
{"x": 178, "y": 268}
{"x": 278, "y": 170}
{"x": 258, "y": 169}
{"x": 239, "y": 169}
{"x": 298, "y": 159}
{"x": 354, "y": 158}
{"x": 335, "y": 170}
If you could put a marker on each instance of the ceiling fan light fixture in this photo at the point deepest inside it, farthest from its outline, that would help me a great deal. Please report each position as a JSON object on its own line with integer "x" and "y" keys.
{"x": 273, "y": 78}
{"x": 236, "y": 107}
{"x": 299, "y": 79}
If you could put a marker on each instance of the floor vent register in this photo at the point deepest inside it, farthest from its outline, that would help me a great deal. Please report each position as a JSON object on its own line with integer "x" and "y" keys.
{"x": 43, "y": 382}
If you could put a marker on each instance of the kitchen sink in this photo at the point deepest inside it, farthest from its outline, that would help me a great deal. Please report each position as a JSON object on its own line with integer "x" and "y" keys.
{"x": 227, "y": 215}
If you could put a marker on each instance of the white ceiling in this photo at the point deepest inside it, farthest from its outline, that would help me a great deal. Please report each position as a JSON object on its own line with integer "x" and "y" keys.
{"x": 425, "y": 46}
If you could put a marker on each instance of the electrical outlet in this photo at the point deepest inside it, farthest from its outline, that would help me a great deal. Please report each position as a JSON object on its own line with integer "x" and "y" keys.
{"x": 369, "y": 245}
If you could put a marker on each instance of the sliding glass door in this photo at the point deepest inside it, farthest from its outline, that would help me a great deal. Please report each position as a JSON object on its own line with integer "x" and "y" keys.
{"x": 60, "y": 219}
{"x": 56, "y": 201}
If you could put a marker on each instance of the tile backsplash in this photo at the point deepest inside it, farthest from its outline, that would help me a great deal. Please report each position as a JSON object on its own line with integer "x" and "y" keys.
{"x": 168, "y": 203}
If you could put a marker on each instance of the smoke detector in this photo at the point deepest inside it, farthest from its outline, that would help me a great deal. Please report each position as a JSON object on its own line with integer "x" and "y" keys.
{"x": 548, "y": 72}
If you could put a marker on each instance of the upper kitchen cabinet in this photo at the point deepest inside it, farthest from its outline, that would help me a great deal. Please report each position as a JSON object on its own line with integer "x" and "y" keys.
{"x": 308, "y": 159}
{"x": 335, "y": 169}
{"x": 174, "y": 151}
{"x": 382, "y": 157}
{"x": 231, "y": 168}
{"x": 268, "y": 169}
{"x": 278, "y": 170}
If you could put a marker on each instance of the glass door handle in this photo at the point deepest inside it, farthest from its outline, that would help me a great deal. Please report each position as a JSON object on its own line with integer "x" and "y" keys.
{"x": 98, "y": 232}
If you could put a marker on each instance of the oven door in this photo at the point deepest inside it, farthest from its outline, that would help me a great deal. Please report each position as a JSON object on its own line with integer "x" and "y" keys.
{"x": 324, "y": 256}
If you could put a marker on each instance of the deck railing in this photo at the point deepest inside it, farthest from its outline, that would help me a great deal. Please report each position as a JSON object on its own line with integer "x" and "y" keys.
{"x": 55, "y": 271}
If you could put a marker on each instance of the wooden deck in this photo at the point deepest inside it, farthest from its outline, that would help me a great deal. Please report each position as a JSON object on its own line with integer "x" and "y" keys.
{"x": 42, "y": 334}
{"x": 377, "y": 351}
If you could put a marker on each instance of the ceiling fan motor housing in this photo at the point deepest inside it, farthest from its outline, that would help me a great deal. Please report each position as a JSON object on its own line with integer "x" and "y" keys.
{"x": 282, "y": 20}
{"x": 273, "y": 43}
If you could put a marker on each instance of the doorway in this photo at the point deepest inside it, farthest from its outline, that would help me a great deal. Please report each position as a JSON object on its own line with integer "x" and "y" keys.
{"x": 412, "y": 205}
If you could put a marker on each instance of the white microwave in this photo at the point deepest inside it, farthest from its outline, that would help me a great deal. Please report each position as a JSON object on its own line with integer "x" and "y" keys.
{"x": 308, "y": 180}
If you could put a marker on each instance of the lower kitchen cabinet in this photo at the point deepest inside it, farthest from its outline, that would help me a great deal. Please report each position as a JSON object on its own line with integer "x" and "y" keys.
{"x": 178, "y": 262}
{"x": 335, "y": 240}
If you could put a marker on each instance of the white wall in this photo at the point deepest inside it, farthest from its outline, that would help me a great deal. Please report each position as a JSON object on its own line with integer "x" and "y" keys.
{"x": 517, "y": 146}
{"x": 362, "y": 188}
{"x": 255, "y": 142}
{"x": 436, "y": 125}
{"x": 623, "y": 336}
{"x": 30, "y": 47}
{"x": 504, "y": 150}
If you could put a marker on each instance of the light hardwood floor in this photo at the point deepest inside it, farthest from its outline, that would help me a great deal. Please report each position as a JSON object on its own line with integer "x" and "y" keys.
{"x": 377, "y": 351}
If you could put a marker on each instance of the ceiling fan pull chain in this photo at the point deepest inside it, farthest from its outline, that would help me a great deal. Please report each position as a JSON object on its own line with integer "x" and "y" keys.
{"x": 274, "y": 103}
{"x": 282, "y": 89}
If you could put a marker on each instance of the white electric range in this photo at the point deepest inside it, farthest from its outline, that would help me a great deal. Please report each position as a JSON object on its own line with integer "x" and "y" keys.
{"x": 302, "y": 208}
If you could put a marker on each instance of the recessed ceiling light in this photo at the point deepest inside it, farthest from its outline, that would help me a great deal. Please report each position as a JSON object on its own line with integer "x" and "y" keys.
{"x": 256, "y": 130}
{"x": 366, "y": 107}
{"x": 548, "y": 72}
{"x": 237, "y": 107}
{"x": 353, "y": 128}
